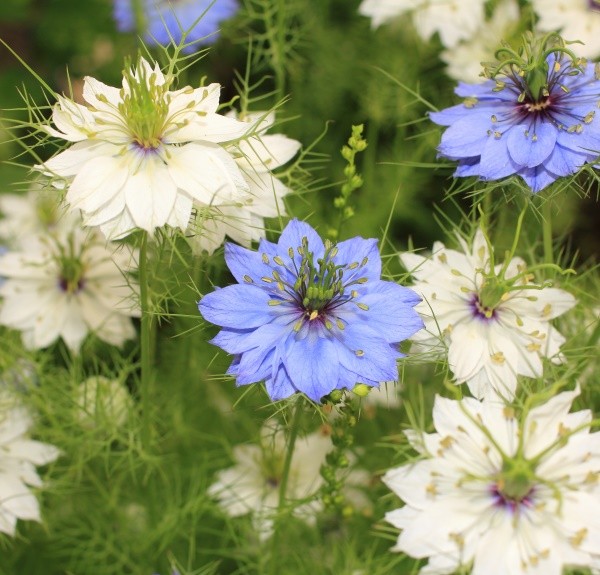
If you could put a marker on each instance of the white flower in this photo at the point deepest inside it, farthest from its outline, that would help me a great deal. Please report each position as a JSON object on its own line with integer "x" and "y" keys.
{"x": 103, "y": 401}
{"x": 454, "y": 20}
{"x": 252, "y": 484}
{"x": 575, "y": 19}
{"x": 242, "y": 217}
{"x": 18, "y": 458}
{"x": 66, "y": 284}
{"x": 464, "y": 60}
{"x": 495, "y": 322}
{"x": 143, "y": 154}
{"x": 497, "y": 495}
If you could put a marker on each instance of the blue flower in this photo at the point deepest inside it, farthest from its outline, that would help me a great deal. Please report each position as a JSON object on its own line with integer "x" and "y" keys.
{"x": 535, "y": 117}
{"x": 166, "y": 20}
{"x": 310, "y": 317}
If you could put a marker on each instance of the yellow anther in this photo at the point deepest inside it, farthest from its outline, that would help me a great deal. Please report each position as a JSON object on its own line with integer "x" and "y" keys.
{"x": 578, "y": 538}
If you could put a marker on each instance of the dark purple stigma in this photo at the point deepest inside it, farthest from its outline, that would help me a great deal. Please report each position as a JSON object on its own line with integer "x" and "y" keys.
{"x": 512, "y": 505}
{"x": 480, "y": 311}
{"x": 64, "y": 285}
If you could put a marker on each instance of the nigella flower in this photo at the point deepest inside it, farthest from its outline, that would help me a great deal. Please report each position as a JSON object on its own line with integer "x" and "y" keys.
{"x": 536, "y": 118}
{"x": 165, "y": 21}
{"x": 143, "y": 154}
{"x": 242, "y": 218}
{"x": 500, "y": 493}
{"x": 252, "y": 485}
{"x": 575, "y": 19}
{"x": 494, "y": 319}
{"x": 66, "y": 284}
{"x": 19, "y": 457}
{"x": 453, "y": 20}
{"x": 310, "y": 317}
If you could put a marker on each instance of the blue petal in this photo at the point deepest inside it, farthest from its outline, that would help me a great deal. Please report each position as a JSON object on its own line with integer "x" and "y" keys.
{"x": 313, "y": 366}
{"x": 280, "y": 386}
{"x": 267, "y": 247}
{"x": 255, "y": 365}
{"x": 292, "y": 236}
{"x": 465, "y": 90}
{"x": 587, "y": 141}
{"x": 357, "y": 250}
{"x": 244, "y": 263}
{"x": 465, "y": 138}
{"x": 530, "y": 145}
{"x": 391, "y": 312}
{"x": 376, "y": 360}
{"x": 563, "y": 162}
{"x": 495, "y": 161}
{"x": 537, "y": 178}
{"x": 239, "y": 341}
{"x": 237, "y": 306}
{"x": 468, "y": 167}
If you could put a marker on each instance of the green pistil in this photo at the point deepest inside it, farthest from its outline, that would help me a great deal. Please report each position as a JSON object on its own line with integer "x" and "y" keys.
{"x": 145, "y": 108}
{"x": 490, "y": 295}
{"x": 71, "y": 275}
{"x": 516, "y": 479}
{"x": 322, "y": 283}
{"x": 528, "y": 66}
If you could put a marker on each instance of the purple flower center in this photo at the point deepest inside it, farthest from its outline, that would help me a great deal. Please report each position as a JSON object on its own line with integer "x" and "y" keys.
{"x": 594, "y": 5}
{"x": 481, "y": 311}
{"x": 512, "y": 504}
{"x": 69, "y": 286}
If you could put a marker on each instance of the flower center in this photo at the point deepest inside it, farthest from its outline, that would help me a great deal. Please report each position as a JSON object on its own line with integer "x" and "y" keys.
{"x": 320, "y": 285}
{"x": 538, "y": 106}
{"x": 515, "y": 485}
{"x": 594, "y": 5}
{"x": 481, "y": 310}
{"x": 144, "y": 106}
{"x": 71, "y": 279}
{"x": 532, "y": 72}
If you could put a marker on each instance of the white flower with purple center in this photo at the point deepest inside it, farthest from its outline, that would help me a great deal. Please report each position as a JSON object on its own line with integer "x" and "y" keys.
{"x": 252, "y": 485}
{"x": 165, "y": 21}
{"x": 535, "y": 119}
{"x": 143, "y": 154}
{"x": 500, "y": 493}
{"x": 493, "y": 318}
{"x": 66, "y": 284}
{"x": 309, "y": 316}
{"x": 453, "y": 20}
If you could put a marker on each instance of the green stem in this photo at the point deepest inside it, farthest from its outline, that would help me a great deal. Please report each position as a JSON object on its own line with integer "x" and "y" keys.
{"x": 547, "y": 232}
{"x": 293, "y": 435}
{"x": 145, "y": 342}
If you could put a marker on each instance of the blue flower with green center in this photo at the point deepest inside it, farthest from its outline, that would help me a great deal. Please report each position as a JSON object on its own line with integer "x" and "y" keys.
{"x": 310, "y": 316}
{"x": 166, "y": 20}
{"x": 534, "y": 117}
